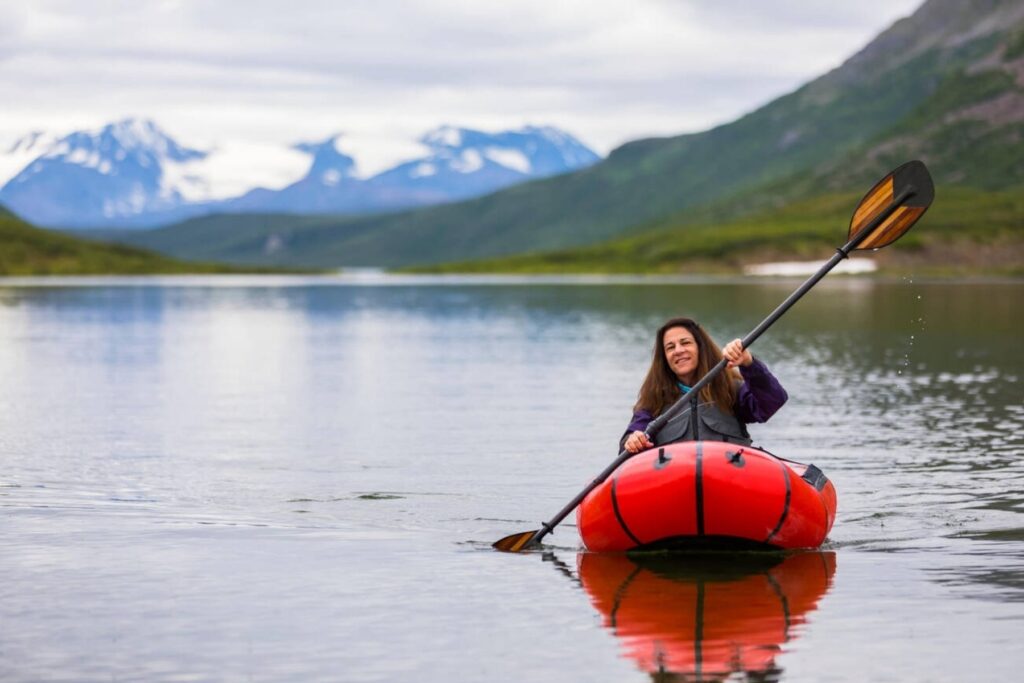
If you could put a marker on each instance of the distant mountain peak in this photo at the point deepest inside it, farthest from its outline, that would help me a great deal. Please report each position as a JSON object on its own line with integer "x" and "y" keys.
{"x": 134, "y": 133}
{"x": 130, "y": 141}
{"x": 123, "y": 169}
{"x": 312, "y": 147}
{"x": 330, "y": 164}
{"x": 529, "y": 151}
{"x": 444, "y": 137}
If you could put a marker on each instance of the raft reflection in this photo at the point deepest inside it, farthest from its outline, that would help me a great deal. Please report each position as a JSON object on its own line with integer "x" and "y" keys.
{"x": 705, "y": 617}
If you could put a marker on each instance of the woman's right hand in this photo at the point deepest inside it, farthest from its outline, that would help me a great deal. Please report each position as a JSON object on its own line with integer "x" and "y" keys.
{"x": 638, "y": 441}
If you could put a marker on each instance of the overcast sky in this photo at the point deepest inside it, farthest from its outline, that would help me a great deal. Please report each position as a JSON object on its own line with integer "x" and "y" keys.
{"x": 384, "y": 71}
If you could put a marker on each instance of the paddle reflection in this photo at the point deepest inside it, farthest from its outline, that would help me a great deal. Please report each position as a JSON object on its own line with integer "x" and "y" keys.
{"x": 705, "y": 617}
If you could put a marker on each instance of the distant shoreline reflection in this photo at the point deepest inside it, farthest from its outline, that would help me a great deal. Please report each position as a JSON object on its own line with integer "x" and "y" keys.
{"x": 705, "y": 617}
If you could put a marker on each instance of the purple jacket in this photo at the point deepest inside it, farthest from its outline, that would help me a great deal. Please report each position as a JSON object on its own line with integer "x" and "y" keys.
{"x": 759, "y": 398}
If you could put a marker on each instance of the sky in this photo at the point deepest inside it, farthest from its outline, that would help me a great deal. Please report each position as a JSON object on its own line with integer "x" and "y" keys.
{"x": 383, "y": 72}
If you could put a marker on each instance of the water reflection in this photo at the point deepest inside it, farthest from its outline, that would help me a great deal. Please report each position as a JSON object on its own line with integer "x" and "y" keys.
{"x": 705, "y": 617}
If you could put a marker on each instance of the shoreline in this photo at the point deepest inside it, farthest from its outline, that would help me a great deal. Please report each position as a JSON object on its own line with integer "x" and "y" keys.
{"x": 391, "y": 278}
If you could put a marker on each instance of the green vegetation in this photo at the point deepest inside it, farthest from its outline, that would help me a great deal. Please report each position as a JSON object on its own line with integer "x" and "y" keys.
{"x": 27, "y": 250}
{"x": 1014, "y": 47}
{"x": 966, "y": 231}
{"x": 216, "y": 236}
{"x": 959, "y": 90}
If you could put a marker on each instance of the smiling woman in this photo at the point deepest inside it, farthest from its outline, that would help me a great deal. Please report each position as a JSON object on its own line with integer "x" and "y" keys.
{"x": 683, "y": 354}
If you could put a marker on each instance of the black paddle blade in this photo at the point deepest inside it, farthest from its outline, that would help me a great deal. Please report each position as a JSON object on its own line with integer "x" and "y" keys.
{"x": 515, "y": 542}
{"x": 905, "y": 194}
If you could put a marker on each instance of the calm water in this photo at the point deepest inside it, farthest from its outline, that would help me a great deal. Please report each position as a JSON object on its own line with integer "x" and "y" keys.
{"x": 299, "y": 479}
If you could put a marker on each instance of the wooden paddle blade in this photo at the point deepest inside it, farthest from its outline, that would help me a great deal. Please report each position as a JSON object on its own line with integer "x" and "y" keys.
{"x": 911, "y": 186}
{"x": 515, "y": 542}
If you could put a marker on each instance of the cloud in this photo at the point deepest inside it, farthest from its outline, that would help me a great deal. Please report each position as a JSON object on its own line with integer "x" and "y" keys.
{"x": 12, "y": 26}
{"x": 608, "y": 71}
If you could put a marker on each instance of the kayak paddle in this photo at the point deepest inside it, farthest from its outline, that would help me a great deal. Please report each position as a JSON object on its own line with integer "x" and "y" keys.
{"x": 885, "y": 213}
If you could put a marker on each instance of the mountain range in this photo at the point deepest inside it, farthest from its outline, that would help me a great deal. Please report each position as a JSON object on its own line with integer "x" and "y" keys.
{"x": 131, "y": 173}
{"x": 945, "y": 85}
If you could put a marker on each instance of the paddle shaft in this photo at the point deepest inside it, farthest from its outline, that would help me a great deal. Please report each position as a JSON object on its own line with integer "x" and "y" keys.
{"x": 655, "y": 426}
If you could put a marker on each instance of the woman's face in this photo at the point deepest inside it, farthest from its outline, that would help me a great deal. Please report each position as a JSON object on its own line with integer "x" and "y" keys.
{"x": 681, "y": 353}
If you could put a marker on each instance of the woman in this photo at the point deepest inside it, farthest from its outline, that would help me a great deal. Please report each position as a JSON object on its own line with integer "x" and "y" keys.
{"x": 683, "y": 353}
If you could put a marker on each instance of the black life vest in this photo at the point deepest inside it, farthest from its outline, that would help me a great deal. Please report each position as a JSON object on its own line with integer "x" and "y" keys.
{"x": 715, "y": 425}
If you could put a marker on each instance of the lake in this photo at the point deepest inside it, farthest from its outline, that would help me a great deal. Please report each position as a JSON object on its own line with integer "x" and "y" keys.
{"x": 299, "y": 478}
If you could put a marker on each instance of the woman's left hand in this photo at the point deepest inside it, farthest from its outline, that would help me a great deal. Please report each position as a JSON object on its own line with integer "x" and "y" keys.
{"x": 736, "y": 354}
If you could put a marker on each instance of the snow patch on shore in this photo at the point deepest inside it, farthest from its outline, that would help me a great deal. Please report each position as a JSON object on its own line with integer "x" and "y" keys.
{"x": 795, "y": 268}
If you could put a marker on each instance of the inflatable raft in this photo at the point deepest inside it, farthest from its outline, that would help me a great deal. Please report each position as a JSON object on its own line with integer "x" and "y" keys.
{"x": 705, "y": 492}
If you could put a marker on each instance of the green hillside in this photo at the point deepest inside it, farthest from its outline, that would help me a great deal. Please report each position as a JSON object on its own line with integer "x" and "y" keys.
{"x": 943, "y": 85}
{"x": 245, "y": 238}
{"x": 27, "y": 250}
{"x": 965, "y": 232}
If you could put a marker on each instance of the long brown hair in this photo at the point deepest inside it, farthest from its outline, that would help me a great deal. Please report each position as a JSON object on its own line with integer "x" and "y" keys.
{"x": 660, "y": 388}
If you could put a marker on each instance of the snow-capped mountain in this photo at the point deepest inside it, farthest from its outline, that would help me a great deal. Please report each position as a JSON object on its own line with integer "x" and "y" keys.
{"x": 131, "y": 173}
{"x": 464, "y": 163}
{"x": 90, "y": 177}
{"x": 457, "y": 163}
{"x": 329, "y": 185}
